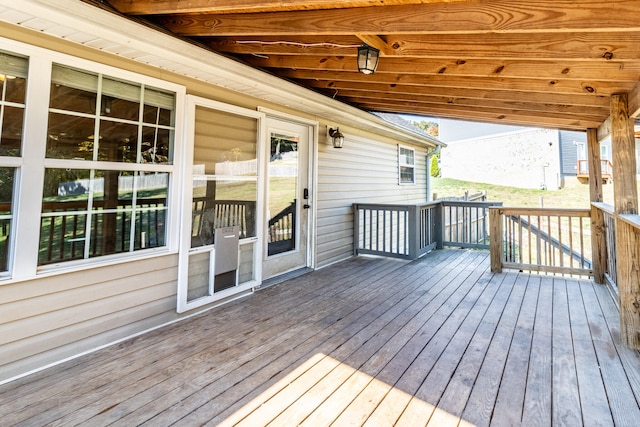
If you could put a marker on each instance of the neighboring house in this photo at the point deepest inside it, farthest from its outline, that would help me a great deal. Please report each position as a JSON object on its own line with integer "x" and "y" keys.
{"x": 518, "y": 156}
{"x": 143, "y": 179}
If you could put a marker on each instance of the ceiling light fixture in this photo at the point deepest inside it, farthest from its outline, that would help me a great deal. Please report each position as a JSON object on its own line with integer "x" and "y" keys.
{"x": 368, "y": 59}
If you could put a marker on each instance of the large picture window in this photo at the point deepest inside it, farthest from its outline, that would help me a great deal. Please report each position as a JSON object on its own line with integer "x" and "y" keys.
{"x": 105, "y": 187}
{"x": 88, "y": 163}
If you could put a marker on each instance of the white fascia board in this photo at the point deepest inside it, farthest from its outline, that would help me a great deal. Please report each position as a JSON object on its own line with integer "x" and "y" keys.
{"x": 126, "y": 38}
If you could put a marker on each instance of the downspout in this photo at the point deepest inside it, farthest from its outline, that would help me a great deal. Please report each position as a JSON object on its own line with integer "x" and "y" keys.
{"x": 430, "y": 153}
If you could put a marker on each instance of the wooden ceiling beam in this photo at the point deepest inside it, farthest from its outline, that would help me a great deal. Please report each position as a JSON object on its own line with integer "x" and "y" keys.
{"x": 498, "y": 16}
{"x": 155, "y": 7}
{"x": 555, "y": 86}
{"x": 376, "y": 42}
{"x": 579, "y": 70}
{"x": 487, "y": 108}
{"x": 613, "y": 47}
{"x": 522, "y": 105}
{"x": 488, "y": 117}
{"x": 634, "y": 102}
{"x": 334, "y": 88}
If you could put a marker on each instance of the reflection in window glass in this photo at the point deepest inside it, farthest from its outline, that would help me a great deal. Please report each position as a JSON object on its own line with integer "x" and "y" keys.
{"x": 101, "y": 212}
{"x": 63, "y": 222}
{"x": 283, "y": 190}
{"x": 70, "y": 137}
{"x": 118, "y": 142}
{"x": 13, "y": 83}
{"x": 225, "y": 183}
{"x": 6, "y": 214}
{"x": 83, "y": 104}
{"x": 219, "y": 204}
{"x": 225, "y": 144}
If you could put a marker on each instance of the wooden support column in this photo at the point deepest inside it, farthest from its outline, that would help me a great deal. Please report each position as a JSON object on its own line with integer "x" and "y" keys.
{"x": 625, "y": 193}
{"x": 598, "y": 236}
{"x": 495, "y": 239}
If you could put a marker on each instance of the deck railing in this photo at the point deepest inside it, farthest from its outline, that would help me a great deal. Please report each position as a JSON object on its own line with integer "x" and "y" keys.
{"x": 466, "y": 224}
{"x": 607, "y": 216}
{"x": 542, "y": 240}
{"x": 410, "y": 231}
{"x": 606, "y": 169}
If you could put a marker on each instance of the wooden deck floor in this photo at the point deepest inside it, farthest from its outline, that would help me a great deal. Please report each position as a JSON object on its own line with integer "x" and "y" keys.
{"x": 441, "y": 342}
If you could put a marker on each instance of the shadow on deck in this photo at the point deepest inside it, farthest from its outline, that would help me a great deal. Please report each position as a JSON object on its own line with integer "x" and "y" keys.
{"x": 438, "y": 341}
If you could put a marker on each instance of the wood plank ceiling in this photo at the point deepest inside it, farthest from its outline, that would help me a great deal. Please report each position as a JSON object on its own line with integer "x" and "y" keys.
{"x": 550, "y": 63}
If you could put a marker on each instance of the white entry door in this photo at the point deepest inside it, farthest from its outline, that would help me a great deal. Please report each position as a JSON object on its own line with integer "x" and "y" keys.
{"x": 288, "y": 207}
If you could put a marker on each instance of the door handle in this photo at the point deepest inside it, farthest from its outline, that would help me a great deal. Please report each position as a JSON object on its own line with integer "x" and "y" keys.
{"x": 305, "y": 206}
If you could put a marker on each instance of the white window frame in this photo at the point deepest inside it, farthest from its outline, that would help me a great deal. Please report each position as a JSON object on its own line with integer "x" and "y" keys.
{"x": 31, "y": 166}
{"x": 402, "y": 163}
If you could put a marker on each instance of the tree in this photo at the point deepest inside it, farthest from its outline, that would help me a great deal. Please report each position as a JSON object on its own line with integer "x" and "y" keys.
{"x": 429, "y": 127}
{"x": 435, "y": 165}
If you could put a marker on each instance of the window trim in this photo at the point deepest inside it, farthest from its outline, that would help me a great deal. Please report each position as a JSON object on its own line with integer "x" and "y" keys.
{"x": 23, "y": 258}
{"x": 402, "y": 163}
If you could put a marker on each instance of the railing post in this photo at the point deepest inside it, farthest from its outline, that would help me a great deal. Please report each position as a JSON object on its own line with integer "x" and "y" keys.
{"x": 356, "y": 229}
{"x": 495, "y": 239}
{"x": 625, "y": 195}
{"x": 628, "y": 275}
{"x": 438, "y": 230}
{"x": 414, "y": 227}
{"x": 598, "y": 237}
{"x": 598, "y": 245}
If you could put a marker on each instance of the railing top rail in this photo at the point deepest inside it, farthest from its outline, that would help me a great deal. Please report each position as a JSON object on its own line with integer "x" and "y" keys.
{"x": 428, "y": 204}
{"x": 544, "y": 211}
{"x": 633, "y": 220}
{"x": 394, "y": 207}
{"x": 471, "y": 204}
{"x": 606, "y": 207}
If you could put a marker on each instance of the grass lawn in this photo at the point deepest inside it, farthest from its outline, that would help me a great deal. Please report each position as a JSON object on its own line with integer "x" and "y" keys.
{"x": 574, "y": 196}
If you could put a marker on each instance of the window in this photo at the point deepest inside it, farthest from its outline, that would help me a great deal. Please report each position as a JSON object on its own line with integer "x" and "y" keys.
{"x": 105, "y": 192}
{"x": 13, "y": 81}
{"x": 406, "y": 165}
{"x": 88, "y": 162}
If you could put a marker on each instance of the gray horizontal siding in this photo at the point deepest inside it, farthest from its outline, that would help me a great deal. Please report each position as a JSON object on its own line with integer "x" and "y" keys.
{"x": 569, "y": 150}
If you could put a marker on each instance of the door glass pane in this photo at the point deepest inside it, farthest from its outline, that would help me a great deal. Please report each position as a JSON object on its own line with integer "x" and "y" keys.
{"x": 283, "y": 190}
{"x": 225, "y": 175}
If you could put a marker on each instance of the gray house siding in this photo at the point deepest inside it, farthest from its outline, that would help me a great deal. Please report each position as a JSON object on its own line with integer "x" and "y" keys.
{"x": 569, "y": 151}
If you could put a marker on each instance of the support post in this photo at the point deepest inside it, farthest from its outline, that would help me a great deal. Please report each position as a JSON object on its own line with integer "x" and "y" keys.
{"x": 414, "y": 231}
{"x": 356, "y": 229}
{"x": 625, "y": 192}
{"x": 439, "y": 225}
{"x": 495, "y": 239}
{"x": 598, "y": 236}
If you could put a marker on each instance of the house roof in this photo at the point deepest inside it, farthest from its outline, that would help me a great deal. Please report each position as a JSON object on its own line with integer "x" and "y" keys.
{"x": 548, "y": 63}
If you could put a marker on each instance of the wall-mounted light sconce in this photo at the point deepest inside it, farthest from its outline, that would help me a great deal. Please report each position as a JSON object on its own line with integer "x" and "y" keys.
{"x": 337, "y": 137}
{"x": 368, "y": 59}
